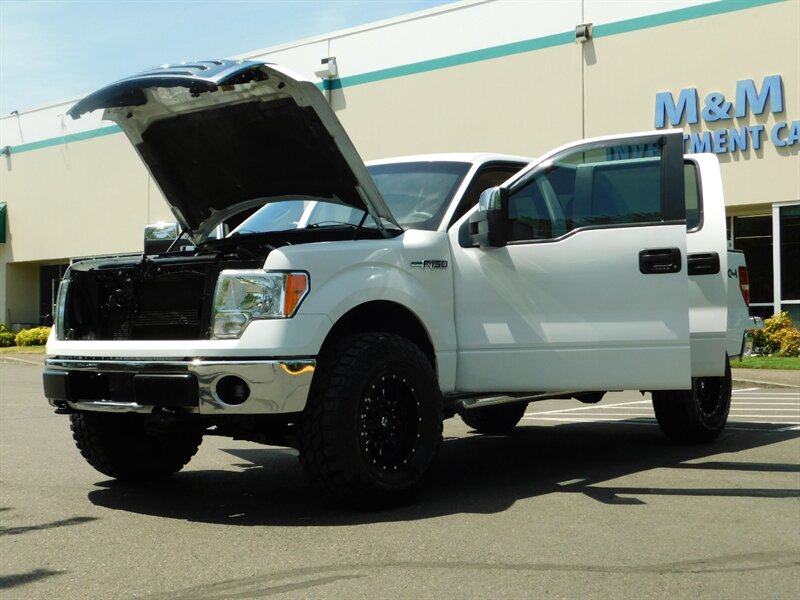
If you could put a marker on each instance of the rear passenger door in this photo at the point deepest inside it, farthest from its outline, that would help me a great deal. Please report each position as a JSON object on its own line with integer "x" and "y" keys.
{"x": 707, "y": 266}
{"x": 590, "y": 290}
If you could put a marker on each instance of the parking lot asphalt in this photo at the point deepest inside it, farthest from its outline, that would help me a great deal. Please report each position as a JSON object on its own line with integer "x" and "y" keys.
{"x": 579, "y": 501}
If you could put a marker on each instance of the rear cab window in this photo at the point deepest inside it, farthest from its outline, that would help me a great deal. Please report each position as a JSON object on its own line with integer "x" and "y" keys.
{"x": 694, "y": 196}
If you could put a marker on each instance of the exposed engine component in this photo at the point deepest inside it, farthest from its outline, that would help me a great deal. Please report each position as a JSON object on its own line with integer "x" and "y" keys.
{"x": 163, "y": 298}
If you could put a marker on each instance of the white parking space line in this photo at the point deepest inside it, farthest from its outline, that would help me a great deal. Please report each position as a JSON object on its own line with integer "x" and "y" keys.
{"x": 762, "y": 416}
{"x": 766, "y": 408}
{"x": 795, "y": 397}
{"x": 638, "y": 421}
{"x": 760, "y": 426}
{"x": 776, "y": 393}
{"x": 593, "y": 407}
{"x": 763, "y": 409}
{"x": 761, "y": 393}
{"x": 764, "y": 392}
{"x": 765, "y": 402}
{"x": 740, "y": 403}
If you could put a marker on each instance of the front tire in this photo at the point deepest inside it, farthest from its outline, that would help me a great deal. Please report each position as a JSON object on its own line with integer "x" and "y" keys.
{"x": 697, "y": 415}
{"x": 134, "y": 447}
{"x": 494, "y": 419}
{"x": 373, "y": 424}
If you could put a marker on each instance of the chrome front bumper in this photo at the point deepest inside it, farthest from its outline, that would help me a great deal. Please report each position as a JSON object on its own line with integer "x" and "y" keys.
{"x": 203, "y": 386}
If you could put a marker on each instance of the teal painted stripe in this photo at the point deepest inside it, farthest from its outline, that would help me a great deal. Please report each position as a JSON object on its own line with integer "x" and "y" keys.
{"x": 455, "y": 60}
{"x": 678, "y": 15}
{"x": 72, "y": 137}
{"x": 568, "y": 37}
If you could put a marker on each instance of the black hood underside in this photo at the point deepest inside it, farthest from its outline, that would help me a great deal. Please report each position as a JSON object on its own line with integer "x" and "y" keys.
{"x": 240, "y": 153}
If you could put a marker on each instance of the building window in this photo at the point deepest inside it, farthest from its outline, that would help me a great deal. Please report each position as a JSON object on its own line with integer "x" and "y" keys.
{"x": 753, "y": 235}
{"x": 789, "y": 240}
{"x": 771, "y": 244}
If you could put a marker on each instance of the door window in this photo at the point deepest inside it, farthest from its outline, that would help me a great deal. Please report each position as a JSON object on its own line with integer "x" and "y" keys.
{"x": 604, "y": 186}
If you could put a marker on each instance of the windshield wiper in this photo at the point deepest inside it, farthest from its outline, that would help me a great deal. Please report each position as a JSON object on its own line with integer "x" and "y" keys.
{"x": 256, "y": 232}
{"x": 322, "y": 224}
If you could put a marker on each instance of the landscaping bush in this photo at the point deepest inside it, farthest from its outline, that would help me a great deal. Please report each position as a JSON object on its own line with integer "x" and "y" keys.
{"x": 770, "y": 339}
{"x": 790, "y": 342}
{"x": 33, "y": 337}
{"x": 6, "y": 337}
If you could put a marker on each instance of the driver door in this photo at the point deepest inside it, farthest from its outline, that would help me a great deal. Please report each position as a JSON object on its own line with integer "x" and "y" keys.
{"x": 588, "y": 288}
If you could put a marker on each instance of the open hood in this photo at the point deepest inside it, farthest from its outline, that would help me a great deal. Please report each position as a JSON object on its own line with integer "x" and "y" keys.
{"x": 221, "y": 136}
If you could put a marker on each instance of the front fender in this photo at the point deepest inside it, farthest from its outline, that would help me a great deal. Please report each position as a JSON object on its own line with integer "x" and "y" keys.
{"x": 345, "y": 275}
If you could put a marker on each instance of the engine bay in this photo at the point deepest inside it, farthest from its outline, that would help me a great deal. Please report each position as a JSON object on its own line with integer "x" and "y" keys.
{"x": 169, "y": 296}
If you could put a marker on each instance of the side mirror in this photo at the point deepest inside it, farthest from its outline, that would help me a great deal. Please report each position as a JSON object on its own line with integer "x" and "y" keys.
{"x": 487, "y": 225}
{"x": 158, "y": 237}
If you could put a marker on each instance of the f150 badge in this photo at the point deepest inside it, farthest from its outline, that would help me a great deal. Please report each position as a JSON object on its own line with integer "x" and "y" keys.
{"x": 429, "y": 264}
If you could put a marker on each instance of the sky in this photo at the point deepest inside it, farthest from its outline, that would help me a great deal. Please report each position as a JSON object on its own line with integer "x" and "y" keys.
{"x": 53, "y": 50}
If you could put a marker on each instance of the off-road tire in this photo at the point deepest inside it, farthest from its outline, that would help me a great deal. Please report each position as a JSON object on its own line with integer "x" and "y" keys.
{"x": 498, "y": 419}
{"x": 373, "y": 421}
{"x": 697, "y": 415}
{"x": 134, "y": 447}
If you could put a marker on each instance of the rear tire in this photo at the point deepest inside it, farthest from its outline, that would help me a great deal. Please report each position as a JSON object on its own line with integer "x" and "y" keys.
{"x": 134, "y": 447}
{"x": 697, "y": 415}
{"x": 498, "y": 419}
{"x": 373, "y": 423}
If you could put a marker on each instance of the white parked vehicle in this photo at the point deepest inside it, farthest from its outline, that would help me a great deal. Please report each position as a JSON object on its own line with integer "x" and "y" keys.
{"x": 359, "y": 306}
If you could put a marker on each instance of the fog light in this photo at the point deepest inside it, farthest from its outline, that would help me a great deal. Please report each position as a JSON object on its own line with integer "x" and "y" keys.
{"x": 229, "y": 325}
{"x": 232, "y": 390}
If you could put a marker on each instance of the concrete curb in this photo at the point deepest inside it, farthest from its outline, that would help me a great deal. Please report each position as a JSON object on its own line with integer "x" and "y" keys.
{"x": 768, "y": 384}
{"x": 780, "y": 378}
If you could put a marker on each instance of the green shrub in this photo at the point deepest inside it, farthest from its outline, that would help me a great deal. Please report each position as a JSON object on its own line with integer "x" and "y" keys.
{"x": 790, "y": 342}
{"x": 760, "y": 340}
{"x": 33, "y": 337}
{"x": 6, "y": 337}
{"x": 769, "y": 339}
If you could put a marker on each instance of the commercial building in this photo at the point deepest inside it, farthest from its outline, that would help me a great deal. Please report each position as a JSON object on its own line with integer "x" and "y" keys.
{"x": 493, "y": 75}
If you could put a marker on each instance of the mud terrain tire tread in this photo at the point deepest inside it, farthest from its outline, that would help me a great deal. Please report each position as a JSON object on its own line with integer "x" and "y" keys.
{"x": 331, "y": 436}
{"x": 698, "y": 415}
{"x": 133, "y": 447}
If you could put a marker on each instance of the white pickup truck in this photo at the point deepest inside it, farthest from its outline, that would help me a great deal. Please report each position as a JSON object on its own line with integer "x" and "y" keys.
{"x": 357, "y": 306}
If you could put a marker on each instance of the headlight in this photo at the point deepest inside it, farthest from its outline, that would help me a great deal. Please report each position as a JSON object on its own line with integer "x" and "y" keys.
{"x": 61, "y": 308}
{"x": 243, "y": 296}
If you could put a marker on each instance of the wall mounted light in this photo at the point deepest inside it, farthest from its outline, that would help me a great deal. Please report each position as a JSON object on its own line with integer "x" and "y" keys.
{"x": 583, "y": 33}
{"x": 327, "y": 69}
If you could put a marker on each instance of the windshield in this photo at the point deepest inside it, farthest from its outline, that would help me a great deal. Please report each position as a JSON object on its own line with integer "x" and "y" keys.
{"x": 275, "y": 216}
{"x": 417, "y": 193}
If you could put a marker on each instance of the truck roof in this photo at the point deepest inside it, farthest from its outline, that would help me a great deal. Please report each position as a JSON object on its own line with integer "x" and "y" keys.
{"x": 469, "y": 157}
